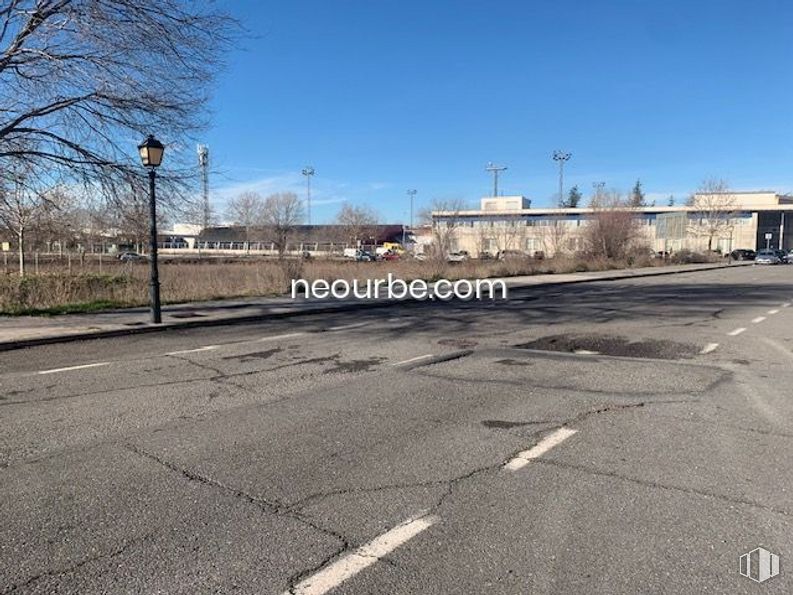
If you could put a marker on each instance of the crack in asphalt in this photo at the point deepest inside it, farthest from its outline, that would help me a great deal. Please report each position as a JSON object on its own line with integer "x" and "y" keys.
{"x": 272, "y": 507}
{"x": 217, "y": 376}
{"x": 658, "y": 485}
{"x": 76, "y": 565}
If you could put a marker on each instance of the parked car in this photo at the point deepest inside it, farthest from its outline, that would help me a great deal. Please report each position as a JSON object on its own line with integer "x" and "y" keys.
{"x": 131, "y": 257}
{"x": 742, "y": 254}
{"x": 504, "y": 254}
{"x": 358, "y": 255}
{"x": 461, "y": 256}
{"x": 782, "y": 256}
{"x": 789, "y": 257}
{"x": 767, "y": 257}
{"x": 389, "y": 255}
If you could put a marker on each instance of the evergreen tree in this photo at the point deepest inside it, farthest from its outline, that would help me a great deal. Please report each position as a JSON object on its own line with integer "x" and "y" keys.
{"x": 637, "y": 195}
{"x": 573, "y": 199}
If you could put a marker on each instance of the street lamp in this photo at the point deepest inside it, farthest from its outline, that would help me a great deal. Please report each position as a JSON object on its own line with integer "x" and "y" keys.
{"x": 151, "y": 151}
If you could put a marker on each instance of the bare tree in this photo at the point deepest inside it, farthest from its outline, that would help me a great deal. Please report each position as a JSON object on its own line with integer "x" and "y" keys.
{"x": 444, "y": 217}
{"x": 356, "y": 223}
{"x": 81, "y": 80}
{"x": 22, "y": 206}
{"x": 281, "y": 215}
{"x": 509, "y": 232}
{"x": 714, "y": 213}
{"x": 554, "y": 236}
{"x": 247, "y": 211}
{"x": 613, "y": 229}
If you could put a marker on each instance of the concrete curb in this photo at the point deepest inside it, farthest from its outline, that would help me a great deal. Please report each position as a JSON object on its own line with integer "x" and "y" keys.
{"x": 330, "y": 309}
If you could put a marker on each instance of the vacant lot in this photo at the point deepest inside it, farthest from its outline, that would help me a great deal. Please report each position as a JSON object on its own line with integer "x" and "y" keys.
{"x": 93, "y": 284}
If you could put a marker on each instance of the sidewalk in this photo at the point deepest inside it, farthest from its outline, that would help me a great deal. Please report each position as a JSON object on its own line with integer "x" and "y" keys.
{"x": 23, "y": 331}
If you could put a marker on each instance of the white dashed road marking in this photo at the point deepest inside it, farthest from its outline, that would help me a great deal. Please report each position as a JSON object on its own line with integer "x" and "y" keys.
{"x": 278, "y": 337}
{"x": 709, "y": 348}
{"x": 413, "y": 359}
{"x": 786, "y": 305}
{"x": 524, "y": 458}
{"x": 348, "y": 566}
{"x": 198, "y": 350}
{"x": 758, "y": 320}
{"x": 348, "y": 326}
{"x": 736, "y": 332}
{"x": 70, "y": 368}
{"x": 774, "y": 311}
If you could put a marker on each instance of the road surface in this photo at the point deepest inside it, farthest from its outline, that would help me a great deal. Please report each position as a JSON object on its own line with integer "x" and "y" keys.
{"x": 611, "y": 437}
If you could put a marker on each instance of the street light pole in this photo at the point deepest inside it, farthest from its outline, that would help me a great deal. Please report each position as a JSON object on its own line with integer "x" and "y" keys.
{"x": 151, "y": 151}
{"x": 308, "y": 172}
{"x": 154, "y": 272}
{"x": 561, "y": 157}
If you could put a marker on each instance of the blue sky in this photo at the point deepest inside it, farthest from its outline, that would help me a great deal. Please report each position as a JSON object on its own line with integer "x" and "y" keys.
{"x": 385, "y": 95}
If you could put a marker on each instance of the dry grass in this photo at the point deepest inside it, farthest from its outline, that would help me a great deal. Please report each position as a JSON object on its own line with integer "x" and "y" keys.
{"x": 55, "y": 290}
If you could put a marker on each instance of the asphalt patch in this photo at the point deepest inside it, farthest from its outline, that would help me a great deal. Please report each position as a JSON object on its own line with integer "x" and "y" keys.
{"x": 356, "y": 365}
{"x": 611, "y": 345}
{"x": 256, "y": 355}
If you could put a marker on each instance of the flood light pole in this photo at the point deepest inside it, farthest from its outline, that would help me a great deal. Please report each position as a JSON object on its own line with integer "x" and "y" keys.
{"x": 308, "y": 171}
{"x": 151, "y": 151}
{"x": 495, "y": 169}
{"x": 561, "y": 157}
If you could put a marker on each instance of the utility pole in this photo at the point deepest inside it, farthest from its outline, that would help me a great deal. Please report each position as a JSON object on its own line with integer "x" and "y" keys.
{"x": 599, "y": 188}
{"x": 412, "y": 194}
{"x": 495, "y": 169}
{"x": 203, "y": 163}
{"x": 561, "y": 157}
{"x": 308, "y": 171}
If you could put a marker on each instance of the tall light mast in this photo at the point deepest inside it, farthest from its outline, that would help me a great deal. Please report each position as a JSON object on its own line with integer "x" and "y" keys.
{"x": 308, "y": 171}
{"x": 203, "y": 163}
{"x": 495, "y": 170}
{"x": 561, "y": 158}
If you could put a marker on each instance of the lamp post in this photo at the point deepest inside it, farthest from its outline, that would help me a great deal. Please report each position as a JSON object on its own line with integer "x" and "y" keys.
{"x": 151, "y": 151}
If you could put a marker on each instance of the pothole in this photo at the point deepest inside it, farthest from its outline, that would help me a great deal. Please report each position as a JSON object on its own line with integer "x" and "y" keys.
{"x": 613, "y": 345}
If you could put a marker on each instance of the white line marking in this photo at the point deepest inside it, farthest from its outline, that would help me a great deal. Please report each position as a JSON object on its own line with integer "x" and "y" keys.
{"x": 70, "y": 368}
{"x": 709, "y": 348}
{"x": 736, "y": 332}
{"x": 786, "y": 305}
{"x": 758, "y": 320}
{"x": 413, "y": 359}
{"x": 774, "y": 311}
{"x": 348, "y": 326}
{"x": 348, "y": 566}
{"x": 586, "y": 352}
{"x": 278, "y": 337}
{"x": 207, "y": 348}
{"x": 523, "y": 458}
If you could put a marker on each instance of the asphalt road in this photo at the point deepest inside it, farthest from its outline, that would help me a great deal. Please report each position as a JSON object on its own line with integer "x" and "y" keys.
{"x": 608, "y": 437}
